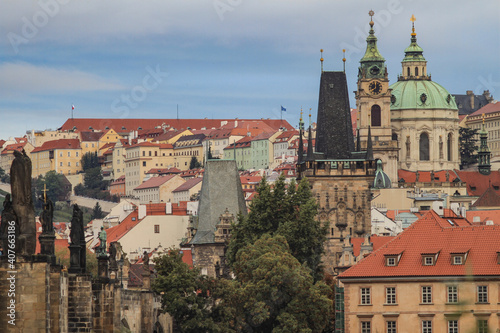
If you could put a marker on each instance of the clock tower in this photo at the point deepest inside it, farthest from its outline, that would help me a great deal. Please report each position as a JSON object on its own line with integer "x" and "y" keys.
{"x": 373, "y": 100}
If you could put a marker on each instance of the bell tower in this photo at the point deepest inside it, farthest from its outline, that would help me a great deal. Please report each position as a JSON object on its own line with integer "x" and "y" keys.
{"x": 373, "y": 100}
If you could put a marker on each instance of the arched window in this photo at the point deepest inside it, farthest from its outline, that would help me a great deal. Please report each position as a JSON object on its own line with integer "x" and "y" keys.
{"x": 448, "y": 146}
{"x": 408, "y": 70}
{"x": 376, "y": 116}
{"x": 416, "y": 71}
{"x": 424, "y": 147}
{"x": 394, "y": 137}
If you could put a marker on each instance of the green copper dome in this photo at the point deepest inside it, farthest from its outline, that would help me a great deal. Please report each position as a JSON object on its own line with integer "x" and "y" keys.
{"x": 414, "y": 52}
{"x": 420, "y": 94}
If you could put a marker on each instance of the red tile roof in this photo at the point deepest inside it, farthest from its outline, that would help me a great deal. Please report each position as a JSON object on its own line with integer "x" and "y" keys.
{"x": 90, "y": 136}
{"x": 58, "y": 144}
{"x": 154, "y": 182}
{"x": 483, "y": 216}
{"x": 488, "y": 108}
{"x": 119, "y": 180}
{"x": 163, "y": 171}
{"x": 478, "y": 183}
{"x": 377, "y": 242}
{"x": 425, "y": 176}
{"x": 115, "y": 233}
{"x": 16, "y": 146}
{"x": 434, "y": 232}
{"x": 488, "y": 199}
{"x": 122, "y": 124}
{"x": 189, "y": 184}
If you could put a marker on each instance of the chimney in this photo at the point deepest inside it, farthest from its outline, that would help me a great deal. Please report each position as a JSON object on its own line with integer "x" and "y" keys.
{"x": 471, "y": 94}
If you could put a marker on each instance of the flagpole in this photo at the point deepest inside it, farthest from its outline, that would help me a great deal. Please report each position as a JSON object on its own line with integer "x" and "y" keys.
{"x": 72, "y": 108}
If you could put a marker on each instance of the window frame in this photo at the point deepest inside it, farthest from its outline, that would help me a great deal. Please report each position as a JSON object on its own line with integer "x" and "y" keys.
{"x": 454, "y": 328}
{"x": 451, "y": 294}
{"x": 390, "y": 298}
{"x": 365, "y": 296}
{"x": 425, "y": 328}
{"x": 156, "y": 228}
{"x": 425, "y": 293}
{"x": 365, "y": 326}
{"x": 480, "y": 295}
{"x": 391, "y": 329}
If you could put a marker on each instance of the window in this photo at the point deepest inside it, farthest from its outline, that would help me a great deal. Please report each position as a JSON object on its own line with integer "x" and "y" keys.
{"x": 69, "y": 164}
{"x": 60, "y": 163}
{"x": 457, "y": 260}
{"x": 60, "y": 154}
{"x": 365, "y": 296}
{"x": 143, "y": 163}
{"x": 452, "y": 296}
{"x": 452, "y": 326}
{"x": 428, "y": 261}
{"x": 76, "y": 154}
{"x": 426, "y": 326}
{"x": 427, "y": 294}
{"x": 482, "y": 294}
{"x": 482, "y": 326}
{"x": 366, "y": 327}
{"x": 391, "y": 261}
{"x": 390, "y": 327}
{"x": 376, "y": 115}
{"x": 157, "y": 228}
{"x": 390, "y": 295}
{"x": 424, "y": 147}
{"x": 449, "y": 146}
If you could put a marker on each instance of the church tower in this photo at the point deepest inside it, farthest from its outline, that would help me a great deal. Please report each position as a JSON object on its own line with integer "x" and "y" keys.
{"x": 373, "y": 100}
{"x": 483, "y": 154}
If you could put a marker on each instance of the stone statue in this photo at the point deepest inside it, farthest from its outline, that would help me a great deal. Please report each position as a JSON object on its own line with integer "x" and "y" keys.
{"x": 76, "y": 233}
{"x": 145, "y": 261}
{"x": 22, "y": 202}
{"x": 47, "y": 217}
{"x": 112, "y": 257}
{"x": 408, "y": 147}
{"x": 8, "y": 215}
{"x": 101, "y": 250}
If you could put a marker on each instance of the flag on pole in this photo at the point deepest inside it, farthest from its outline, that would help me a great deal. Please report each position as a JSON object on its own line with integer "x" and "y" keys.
{"x": 72, "y": 107}
{"x": 283, "y": 109}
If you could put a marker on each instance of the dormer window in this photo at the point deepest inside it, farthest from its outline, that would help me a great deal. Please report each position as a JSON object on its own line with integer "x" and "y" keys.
{"x": 458, "y": 258}
{"x": 429, "y": 258}
{"x": 392, "y": 259}
{"x": 498, "y": 258}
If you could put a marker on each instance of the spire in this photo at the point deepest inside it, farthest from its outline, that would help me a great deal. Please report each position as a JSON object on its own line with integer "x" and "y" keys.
{"x": 301, "y": 143}
{"x": 369, "y": 145}
{"x": 413, "y": 52}
{"x": 372, "y": 63}
{"x": 483, "y": 153}
{"x": 358, "y": 141}
{"x": 343, "y": 58}
{"x": 381, "y": 179}
{"x": 310, "y": 156}
{"x": 321, "y": 59}
{"x": 301, "y": 121}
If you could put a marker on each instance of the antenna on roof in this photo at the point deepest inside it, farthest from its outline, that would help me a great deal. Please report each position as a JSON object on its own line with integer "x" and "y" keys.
{"x": 177, "y": 111}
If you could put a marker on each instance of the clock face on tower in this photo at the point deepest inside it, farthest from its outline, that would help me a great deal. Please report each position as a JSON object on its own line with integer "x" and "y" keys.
{"x": 375, "y": 87}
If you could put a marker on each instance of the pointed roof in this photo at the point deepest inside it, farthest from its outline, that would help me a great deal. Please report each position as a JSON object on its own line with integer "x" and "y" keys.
{"x": 488, "y": 199}
{"x": 438, "y": 235}
{"x": 334, "y": 136}
{"x": 372, "y": 54}
{"x": 154, "y": 182}
{"x": 413, "y": 52}
{"x": 220, "y": 190}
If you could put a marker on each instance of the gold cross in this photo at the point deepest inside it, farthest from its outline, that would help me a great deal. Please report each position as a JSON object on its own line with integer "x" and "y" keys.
{"x": 413, "y": 19}
{"x": 44, "y": 192}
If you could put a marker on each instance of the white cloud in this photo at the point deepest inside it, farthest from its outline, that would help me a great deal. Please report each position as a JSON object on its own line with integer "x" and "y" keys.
{"x": 30, "y": 79}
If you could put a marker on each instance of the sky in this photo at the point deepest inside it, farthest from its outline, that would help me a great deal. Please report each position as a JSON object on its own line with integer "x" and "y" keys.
{"x": 221, "y": 58}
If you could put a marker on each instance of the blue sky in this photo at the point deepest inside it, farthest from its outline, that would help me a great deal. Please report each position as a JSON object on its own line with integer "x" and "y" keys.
{"x": 220, "y": 58}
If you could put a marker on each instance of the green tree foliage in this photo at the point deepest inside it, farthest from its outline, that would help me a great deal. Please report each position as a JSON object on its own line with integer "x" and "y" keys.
{"x": 194, "y": 164}
{"x": 89, "y": 161}
{"x": 4, "y": 178}
{"x": 184, "y": 293}
{"x": 94, "y": 186}
{"x": 290, "y": 212}
{"x": 468, "y": 146}
{"x": 55, "y": 185}
{"x": 97, "y": 212}
{"x": 273, "y": 292}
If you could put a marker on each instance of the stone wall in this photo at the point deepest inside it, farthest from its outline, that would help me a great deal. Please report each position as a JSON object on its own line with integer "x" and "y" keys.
{"x": 79, "y": 303}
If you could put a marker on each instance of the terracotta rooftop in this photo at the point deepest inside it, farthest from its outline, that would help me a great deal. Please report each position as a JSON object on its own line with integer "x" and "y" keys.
{"x": 425, "y": 176}
{"x": 483, "y": 216}
{"x": 488, "y": 199}
{"x": 58, "y": 144}
{"x": 90, "y": 136}
{"x": 114, "y": 234}
{"x": 154, "y": 182}
{"x": 119, "y": 180}
{"x": 377, "y": 242}
{"x": 478, "y": 183}
{"x": 189, "y": 184}
{"x": 16, "y": 146}
{"x": 488, "y": 108}
{"x": 441, "y": 235}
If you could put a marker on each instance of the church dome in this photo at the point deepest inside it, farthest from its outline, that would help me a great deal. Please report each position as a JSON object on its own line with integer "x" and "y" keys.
{"x": 420, "y": 94}
{"x": 381, "y": 180}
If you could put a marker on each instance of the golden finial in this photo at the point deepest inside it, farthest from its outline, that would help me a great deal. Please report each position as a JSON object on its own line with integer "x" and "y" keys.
{"x": 310, "y": 110}
{"x": 371, "y": 13}
{"x": 343, "y": 59}
{"x": 321, "y": 59}
{"x": 413, "y": 19}
{"x": 301, "y": 114}
{"x": 483, "y": 119}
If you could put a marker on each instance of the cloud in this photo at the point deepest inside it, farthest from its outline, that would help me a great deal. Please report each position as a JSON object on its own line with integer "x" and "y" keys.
{"x": 26, "y": 78}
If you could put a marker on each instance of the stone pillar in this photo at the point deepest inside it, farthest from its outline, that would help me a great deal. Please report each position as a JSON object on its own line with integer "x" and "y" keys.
{"x": 102, "y": 267}
{"x": 79, "y": 303}
{"x": 47, "y": 244}
{"x": 104, "y": 307}
{"x": 74, "y": 259}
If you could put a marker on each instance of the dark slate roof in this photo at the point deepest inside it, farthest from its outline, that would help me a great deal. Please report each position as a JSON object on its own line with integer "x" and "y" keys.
{"x": 220, "y": 189}
{"x": 334, "y": 133}
{"x": 464, "y": 103}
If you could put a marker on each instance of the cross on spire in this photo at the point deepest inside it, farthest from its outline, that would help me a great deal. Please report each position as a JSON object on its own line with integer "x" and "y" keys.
{"x": 45, "y": 192}
{"x": 413, "y": 19}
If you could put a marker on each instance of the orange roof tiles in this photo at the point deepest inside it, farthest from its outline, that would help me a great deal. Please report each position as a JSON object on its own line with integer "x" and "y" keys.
{"x": 115, "y": 233}
{"x": 189, "y": 184}
{"x": 488, "y": 108}
{"x": 154, "y": 182}
{"x": 425, "y": 176}
{"x": 58, "y": 144}
{"x": 483, "y": 216}
{"x": 434, "y": 232}
{"x": 478, "y": 183}
{"x": 377, "y": 242}
{"x": 488, "y": 199}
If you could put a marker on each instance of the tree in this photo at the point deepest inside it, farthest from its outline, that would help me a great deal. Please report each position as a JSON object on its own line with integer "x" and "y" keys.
{"x": 290, "y": 212}
{"x": 194, "y": 164}
{"x": 468, "y": 146}
{"x": 184, "y": 293}
{"x": 4, "y": 178}
{"x": 53, "y": 182}
{"x": 273, "y": 292}
{"x": 93, "y": 179}
{"x": 97, "y": 212}
{"x": 89, "y": 161}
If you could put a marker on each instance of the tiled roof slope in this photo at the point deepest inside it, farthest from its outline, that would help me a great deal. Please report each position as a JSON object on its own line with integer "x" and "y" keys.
{"x": 190, "y": 183}
{"x": 431, "y": 234}
{"x": 377, "y": 242}
{"x": 58, "y": 144}
{"x": 425, "y": 176}
{"x": 478, "y": 183}
{"x": 154, "y": 182}
{"x": 483, "y": 216}
{"x": 488, "y": 108}
{"x": 488, "y": 199}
